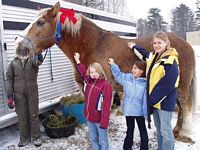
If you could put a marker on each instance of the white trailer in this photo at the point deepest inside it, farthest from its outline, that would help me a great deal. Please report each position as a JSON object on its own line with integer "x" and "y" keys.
{"x": 55, "y": 77}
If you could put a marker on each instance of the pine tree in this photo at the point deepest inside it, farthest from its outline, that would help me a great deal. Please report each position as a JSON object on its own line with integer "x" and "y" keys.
{"x": 182, "y": 20}
{"x": 142, "y": 28}
{"x": 155, "y": 21}
{"x": 197, "y": 19}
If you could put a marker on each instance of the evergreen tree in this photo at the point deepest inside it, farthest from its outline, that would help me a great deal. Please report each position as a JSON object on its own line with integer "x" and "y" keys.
{"x": 197, "y": 19}
{"x": 141, "y": 28}
{"x": 182, "y": 20}
{"x": 155, "y": 21}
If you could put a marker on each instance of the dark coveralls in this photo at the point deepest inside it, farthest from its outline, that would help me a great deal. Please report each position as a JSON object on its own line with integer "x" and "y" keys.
{"x": 21, "y": 83}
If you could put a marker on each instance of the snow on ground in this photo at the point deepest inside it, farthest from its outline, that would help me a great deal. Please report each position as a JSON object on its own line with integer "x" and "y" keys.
{"x": 9, "y": 137}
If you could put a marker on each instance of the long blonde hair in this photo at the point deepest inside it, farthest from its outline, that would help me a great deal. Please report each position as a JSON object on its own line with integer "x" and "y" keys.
{"x": 164, "y": 37}
{"x": 98, "y": 67}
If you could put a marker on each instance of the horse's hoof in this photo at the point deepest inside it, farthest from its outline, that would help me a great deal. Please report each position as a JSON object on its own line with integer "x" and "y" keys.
{"x": 176, "y": 131}
{"x": 119, "y": 113}
{"x": 184, "y": 139}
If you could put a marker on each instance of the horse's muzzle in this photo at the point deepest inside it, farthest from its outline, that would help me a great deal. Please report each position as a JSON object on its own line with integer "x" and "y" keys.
{"x": 23, "y": 47}
{"x": 22, "y": 51}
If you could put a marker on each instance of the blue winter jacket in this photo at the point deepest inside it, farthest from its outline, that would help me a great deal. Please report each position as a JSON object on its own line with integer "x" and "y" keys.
{"x": 134, "y": 101}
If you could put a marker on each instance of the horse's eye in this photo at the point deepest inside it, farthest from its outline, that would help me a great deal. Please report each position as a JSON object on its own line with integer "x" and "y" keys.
{"x": 39, "y": 23}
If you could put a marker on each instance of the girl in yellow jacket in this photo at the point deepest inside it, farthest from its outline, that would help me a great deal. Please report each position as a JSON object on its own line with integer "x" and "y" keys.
{"x": 162, "y": 82}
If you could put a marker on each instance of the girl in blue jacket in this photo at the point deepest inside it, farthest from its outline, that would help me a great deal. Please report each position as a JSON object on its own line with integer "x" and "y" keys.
{"x": 134, "y": 105}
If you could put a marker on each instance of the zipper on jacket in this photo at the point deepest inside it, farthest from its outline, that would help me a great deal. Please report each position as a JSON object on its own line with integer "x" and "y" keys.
{"x": 24, "y": 73}
{"x": 89, "y": 98}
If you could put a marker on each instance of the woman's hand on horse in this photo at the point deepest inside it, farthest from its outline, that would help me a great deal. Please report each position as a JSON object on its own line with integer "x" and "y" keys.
{"x": 77, "y": 57}
{"x": 111, "y": 61}
{"x": 131, "y": 44}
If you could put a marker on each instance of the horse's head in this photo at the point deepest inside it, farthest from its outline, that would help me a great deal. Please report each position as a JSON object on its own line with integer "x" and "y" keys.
{"x": 39, "y": 35}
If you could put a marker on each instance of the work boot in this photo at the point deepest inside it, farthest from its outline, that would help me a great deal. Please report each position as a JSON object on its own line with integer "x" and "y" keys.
{"x": 37, "y": 142}
{"x": 22, "y": 143}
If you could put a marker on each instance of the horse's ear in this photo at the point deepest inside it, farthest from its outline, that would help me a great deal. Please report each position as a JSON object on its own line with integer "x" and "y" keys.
{"x": 54, "y": 10}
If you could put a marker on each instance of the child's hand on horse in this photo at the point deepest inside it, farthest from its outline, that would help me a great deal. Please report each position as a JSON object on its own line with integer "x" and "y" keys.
{"x": 77, "y": 57}
{"x": 111, "y": 61}
{"x": 131, "y": 44}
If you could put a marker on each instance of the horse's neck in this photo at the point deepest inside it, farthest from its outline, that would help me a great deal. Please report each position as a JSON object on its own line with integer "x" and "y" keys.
{"x": 83, "y": 42}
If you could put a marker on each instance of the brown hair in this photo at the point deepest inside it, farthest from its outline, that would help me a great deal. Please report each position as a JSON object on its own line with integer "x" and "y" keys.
{"x": 164, "y": 37}
{"x": 98, "y": 67}
{"x": 142, "y": 66}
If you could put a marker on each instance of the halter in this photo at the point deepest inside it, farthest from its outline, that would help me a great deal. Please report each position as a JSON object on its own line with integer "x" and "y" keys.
{"x": 65, "y": 13}
{"x": 56, "y": 36}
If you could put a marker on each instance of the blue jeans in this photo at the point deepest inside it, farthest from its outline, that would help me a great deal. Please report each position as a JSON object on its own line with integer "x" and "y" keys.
{"x": 98, "y": 136}
{"x": 165, "y": 136}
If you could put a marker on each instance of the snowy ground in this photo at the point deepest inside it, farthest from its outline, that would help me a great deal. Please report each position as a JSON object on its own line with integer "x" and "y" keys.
{"x": 9, "y": 137}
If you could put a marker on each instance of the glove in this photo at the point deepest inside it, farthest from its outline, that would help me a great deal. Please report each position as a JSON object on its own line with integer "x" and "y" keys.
{"x": 10, "y": 102}
{"x": 40, "y": 57}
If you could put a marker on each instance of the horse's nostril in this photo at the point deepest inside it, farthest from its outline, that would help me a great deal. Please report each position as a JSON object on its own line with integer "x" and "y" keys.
{"x": 15, "y": 38}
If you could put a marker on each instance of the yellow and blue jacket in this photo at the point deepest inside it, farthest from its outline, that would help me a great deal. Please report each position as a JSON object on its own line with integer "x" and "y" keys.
{"x": 163, "y": 79}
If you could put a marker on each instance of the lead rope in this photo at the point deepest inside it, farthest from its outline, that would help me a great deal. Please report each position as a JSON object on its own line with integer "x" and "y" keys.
{"x": 45, "y": 54}
{"x": 50, "y": 62}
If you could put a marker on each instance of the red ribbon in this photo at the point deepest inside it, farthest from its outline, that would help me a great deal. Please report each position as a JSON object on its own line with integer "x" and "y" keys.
{"x": 67, "y": 13}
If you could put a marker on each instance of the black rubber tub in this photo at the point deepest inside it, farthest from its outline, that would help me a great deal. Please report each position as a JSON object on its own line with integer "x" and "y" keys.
{"x": 60, "y": 132}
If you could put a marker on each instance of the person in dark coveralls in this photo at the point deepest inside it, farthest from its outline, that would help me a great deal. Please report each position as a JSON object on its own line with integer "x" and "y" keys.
{"x": 22, "y": 92}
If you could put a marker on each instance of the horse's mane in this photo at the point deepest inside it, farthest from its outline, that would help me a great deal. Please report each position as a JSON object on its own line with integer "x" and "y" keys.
{"x": 68, "y": 24}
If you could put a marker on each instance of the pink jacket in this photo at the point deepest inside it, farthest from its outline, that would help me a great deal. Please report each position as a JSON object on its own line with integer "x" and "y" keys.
{"x": 98, "y": 97}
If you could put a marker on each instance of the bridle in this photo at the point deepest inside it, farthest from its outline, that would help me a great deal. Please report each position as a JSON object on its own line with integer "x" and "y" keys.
{"x": 57, "y": 33}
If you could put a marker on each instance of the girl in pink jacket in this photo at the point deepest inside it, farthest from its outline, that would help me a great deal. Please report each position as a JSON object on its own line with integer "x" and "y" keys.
{"x": 98, "y": 97}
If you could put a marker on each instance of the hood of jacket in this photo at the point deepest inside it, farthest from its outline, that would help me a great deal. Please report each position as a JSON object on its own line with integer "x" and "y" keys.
{"x": 171, "y": 51}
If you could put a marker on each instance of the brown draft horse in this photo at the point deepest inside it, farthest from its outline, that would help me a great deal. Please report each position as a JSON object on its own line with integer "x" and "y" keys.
{"x": 96, "y": 44}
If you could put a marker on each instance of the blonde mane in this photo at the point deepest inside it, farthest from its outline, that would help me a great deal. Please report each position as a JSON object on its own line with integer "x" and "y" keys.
{"x": 69, "y": 26}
